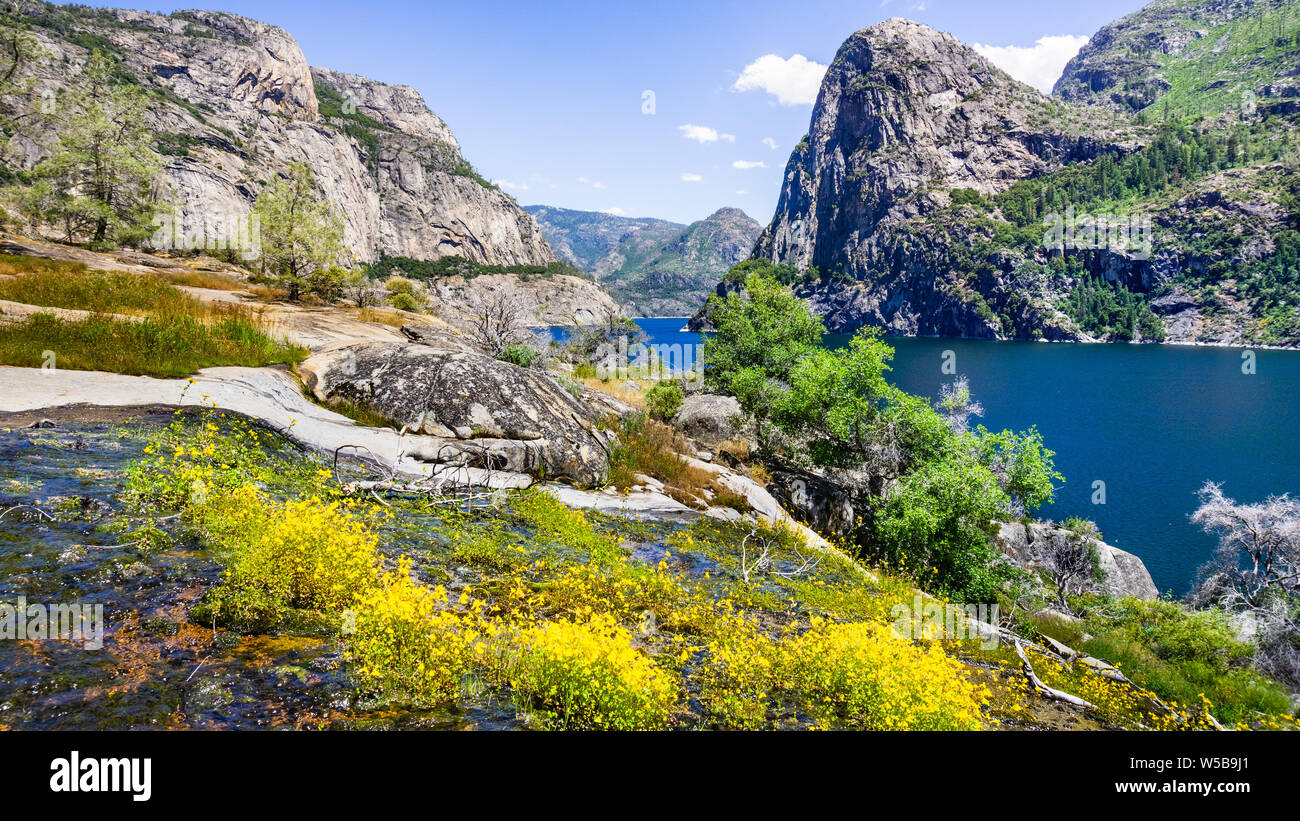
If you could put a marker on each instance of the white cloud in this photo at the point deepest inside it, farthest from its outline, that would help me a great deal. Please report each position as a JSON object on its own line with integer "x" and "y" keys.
{"x": 583, "y": 180}
{"x": 703, "y": 134}
{"x": 793, "y": 82}
{"x": 688, "y": 177}
{"x": 741, "y": 192}
{"x": 1038, "y": 65}
{"x": 746, "y": 164}
{"x": 614, "y": 212}
{"x": 598, "y": 185}
{"x": 510, "y": 186}
{"x": 770, "y": 143}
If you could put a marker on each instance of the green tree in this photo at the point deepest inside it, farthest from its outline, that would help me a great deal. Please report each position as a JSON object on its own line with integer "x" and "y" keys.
{"x": 783, "y": 273}
{"x": 760, "y": 335}
{"x": 835, "y": 400}
{"x": 301, "y": 233}
{"x": 766, "y": 327}
{"x": 18, "y": 50}
{"x": 100, "y": 178}
{"x": 936, "y": 523}
{"x": 1023, "y": 467}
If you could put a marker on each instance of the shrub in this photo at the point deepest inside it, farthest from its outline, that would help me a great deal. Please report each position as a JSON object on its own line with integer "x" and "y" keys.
{"x": 737, "y": 683}
{"x": 304, "y": 555}
{"x": 968, "y": 196}
{"x": 402, "y": 295}
{"x": 1182, "y": 654}
{"x": 859, "y": 675}
{"x": 185, "y": 463}
{"x": 586, "y": 675}
{"x": 664, "y": 400}
{"x": 866, "y": 676}
{"x": 653, "y": 448}
{"x": 935, "y": 521}
{"x": 408, "y": 640}
{"x": 521, "y": 355}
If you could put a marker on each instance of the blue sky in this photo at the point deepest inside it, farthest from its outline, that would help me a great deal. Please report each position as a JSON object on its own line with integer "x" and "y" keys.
{"x": 547, "y": 98}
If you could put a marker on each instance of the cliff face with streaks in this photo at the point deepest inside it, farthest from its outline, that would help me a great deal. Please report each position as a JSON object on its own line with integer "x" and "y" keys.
{"x": 236, "y": 102}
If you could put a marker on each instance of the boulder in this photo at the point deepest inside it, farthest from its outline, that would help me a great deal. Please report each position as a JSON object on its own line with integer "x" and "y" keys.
{"x": 1125, "y": 574}
{"x": 821, "y": 504}
{"x": 709, "y": 418}
{"x": 473, "y": 410}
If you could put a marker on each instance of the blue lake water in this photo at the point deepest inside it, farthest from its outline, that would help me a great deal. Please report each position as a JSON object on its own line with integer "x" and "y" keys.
{"x": 1151, "y": 422}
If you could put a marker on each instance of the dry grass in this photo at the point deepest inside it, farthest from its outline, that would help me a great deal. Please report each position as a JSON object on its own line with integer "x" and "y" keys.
{"x": 205, "y": 279}
{"x": 11, "y": 264}
{"x": 738, "y": 449}
{"x": 635, "y": 398}
{"x": 168, "y": 332}
{"x": 654, "y": 449}
{"x": 759, "y": 473}
{"x": 60, "y": 284}
{"x": 383, "y": 316}
{"x": 266, "y": 293}
{"x": 165, "y": 344}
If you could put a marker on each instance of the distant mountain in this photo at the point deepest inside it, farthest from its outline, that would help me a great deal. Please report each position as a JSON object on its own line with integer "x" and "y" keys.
{"x": 1195, "y": 58}
{"x": 652, "y": 267}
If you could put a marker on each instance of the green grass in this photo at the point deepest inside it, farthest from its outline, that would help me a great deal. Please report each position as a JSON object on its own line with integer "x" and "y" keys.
{"x": 60, "y": 284}
{"x": 164, "y": 346}
{"x": 1178, "y": 654}
{"x": 174, "y": 334}
{"x": 360, "y": 412}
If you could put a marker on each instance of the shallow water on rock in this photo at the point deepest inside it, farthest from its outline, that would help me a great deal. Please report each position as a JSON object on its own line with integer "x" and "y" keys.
{"x": 155, "y": 668}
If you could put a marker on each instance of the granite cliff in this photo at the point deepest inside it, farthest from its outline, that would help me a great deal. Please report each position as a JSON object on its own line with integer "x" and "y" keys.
{"x": 934, "y": 195}
{"x": 236, "y": 102}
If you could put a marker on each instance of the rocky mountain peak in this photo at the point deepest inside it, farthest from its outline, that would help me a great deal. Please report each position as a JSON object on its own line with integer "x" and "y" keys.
{"x": 727, "y": 213}
{"x": 253, "y": 63}
{"x": 1194, "y": 58}
{"x": 399, "y": 107}
{"x": 905, "y": 114}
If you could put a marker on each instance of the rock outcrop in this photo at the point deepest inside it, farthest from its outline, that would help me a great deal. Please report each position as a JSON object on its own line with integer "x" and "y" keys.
{"x": 820, "y": 503}
{"x": 472, "y": 409}
{"x": 552, "y": 300}
{"x": 237, "y": 102}
{"x": 905, "y": 116}
{"x": 710, "y": 418}
{"x": 1124, "y": 573}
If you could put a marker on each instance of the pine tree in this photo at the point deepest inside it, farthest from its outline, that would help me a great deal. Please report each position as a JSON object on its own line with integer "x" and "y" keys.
{"x": 100, "y": 178}
{"x": 302, "y": 236}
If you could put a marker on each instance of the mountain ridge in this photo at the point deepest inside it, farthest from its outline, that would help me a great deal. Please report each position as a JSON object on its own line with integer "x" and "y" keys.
{"x": 653, "y": 267}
